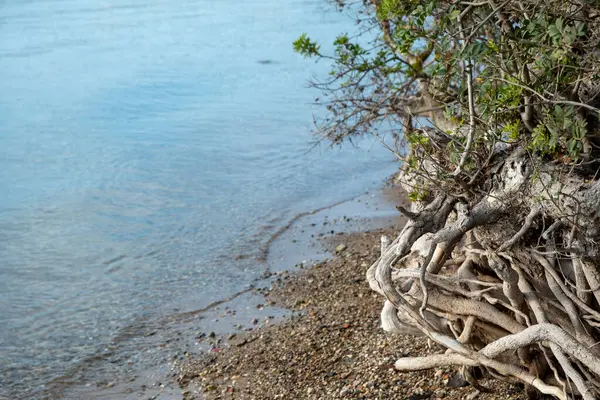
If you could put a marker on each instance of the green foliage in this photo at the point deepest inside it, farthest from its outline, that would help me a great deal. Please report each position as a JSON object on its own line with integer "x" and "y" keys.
{"x": 347, "y": 52}
{"x": 418, "y": 195}
{"x": 512, "y": 129}
{"x": 393, "y": 8}
{"x": 526, "y": 60}
{"x": 562, "y": 132}
{"x": 306, "y": 47}
{"x": 542, "y": 140}
{"x": 417, "y": 139}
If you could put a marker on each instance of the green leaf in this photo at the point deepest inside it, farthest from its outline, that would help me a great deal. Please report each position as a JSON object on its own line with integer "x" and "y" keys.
{"x": 580, "y": 28}
{"x": 492, "y": 46}
{"x": 554, "y": 33}
{"x": 559, "y": 24}
{"x": 304, "y": 46}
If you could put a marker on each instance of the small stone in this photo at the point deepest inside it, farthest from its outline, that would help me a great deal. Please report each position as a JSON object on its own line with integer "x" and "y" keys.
{"x": 210, "y": 388}
{"x": 457, "y": 381}
{"x": 254, "y": 321}
{"x": 340, "y": 248}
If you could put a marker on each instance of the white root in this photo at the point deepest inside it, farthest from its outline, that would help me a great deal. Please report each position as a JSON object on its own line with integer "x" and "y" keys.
{"x": 502, "y": 368}
{"x": 593, "y": 277}
{"x": 385, "y": 243}
{"x": 544, "y": 332}
{"x": 575, "y": 376}
{"x": 563, "y": 287}
{"x": 581, "y": 282}
{"x": 558, "y": 338}
{"x": 465, "y": 335}
{"x": 433, "y": 361}
{"x": 390, "y": 322}
{"x": 509, "y": 304}
{"x": 568, "y": 306}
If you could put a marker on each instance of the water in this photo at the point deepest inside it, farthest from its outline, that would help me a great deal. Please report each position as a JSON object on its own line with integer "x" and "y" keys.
{"x": 148, "y": 150}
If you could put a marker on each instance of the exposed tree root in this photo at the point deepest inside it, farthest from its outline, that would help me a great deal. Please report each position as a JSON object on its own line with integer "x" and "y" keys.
{"x": 524, "y": 303}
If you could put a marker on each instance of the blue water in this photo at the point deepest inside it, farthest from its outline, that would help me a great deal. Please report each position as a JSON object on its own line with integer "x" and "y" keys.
{"x": 144, "y": 145}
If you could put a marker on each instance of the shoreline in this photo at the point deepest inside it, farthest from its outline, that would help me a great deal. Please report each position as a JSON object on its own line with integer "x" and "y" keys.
{"x": 332, "y": 346}
{"x": 181, "y": 336}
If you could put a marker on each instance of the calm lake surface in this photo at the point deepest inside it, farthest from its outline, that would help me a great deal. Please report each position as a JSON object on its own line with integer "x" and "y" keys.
{"x": 148, "y": 151}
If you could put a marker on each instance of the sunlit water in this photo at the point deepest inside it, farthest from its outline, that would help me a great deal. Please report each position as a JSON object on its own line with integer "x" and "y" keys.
{"x": 145, "y": 146}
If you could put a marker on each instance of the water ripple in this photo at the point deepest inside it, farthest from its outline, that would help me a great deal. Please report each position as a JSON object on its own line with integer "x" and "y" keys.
{"x": 148, "y": 152}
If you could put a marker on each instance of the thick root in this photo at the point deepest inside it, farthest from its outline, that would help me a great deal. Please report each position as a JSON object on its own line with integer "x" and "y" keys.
{"x": 527, "y": 288}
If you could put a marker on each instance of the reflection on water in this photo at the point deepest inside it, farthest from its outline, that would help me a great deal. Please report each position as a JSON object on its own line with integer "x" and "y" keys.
{"x": 143, "y": 146}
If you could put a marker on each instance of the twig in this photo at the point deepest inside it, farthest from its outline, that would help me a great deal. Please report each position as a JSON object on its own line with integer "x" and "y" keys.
{"x": 546, "y": 100}
{"x": 524, "y": 229}
{"x": 471, "y": 133}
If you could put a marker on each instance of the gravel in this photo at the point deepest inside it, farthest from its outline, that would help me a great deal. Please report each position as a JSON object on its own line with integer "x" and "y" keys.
{"x": 331, "y": 348}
